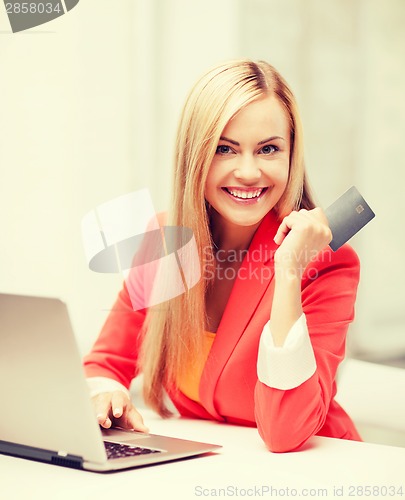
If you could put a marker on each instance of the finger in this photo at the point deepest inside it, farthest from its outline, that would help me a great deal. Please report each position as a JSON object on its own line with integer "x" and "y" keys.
{"x": 284, "y": 229}
{"x": 135, "y": 420}
{"x": 118, "y": 401}
{"x": 282, "y": 232}
{"x": 106, "y": 423}
{"x": 318, "y": 216}
{"x": 102, "y": 405}
{"x": 315, "y": 214}
{"x": 302, "y": 216}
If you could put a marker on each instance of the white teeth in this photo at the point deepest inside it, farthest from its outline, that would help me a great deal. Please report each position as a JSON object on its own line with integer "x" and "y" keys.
{"x": 245, "y": 194}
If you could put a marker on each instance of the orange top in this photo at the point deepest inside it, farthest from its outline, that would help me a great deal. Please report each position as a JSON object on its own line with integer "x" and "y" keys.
{"x": 190, "y": 383}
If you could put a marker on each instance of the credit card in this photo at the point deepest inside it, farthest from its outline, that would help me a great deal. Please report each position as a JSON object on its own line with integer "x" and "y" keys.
{"x": 346, "y": 216}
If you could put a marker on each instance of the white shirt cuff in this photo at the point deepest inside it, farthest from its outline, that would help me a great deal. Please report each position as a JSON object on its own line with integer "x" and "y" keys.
{"x": 288, "y": 366}
{"x": 98, "y": 385}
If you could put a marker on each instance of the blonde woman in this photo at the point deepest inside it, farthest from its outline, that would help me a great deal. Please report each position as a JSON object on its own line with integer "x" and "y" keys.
{"x": 258, "y": 340}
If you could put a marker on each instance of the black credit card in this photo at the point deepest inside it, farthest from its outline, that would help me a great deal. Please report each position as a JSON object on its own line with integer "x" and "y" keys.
{"x": 346, "y": 216}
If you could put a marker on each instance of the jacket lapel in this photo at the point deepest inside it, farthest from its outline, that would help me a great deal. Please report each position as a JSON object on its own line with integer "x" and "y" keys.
{"x": 255, "y": 275}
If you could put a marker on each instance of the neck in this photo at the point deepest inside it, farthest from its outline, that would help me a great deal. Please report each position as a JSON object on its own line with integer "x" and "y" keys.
{"x": 228, "y": 236}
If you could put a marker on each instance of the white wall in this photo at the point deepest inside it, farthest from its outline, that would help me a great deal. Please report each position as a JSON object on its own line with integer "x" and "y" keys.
{"x": 381, "y": 170}
{"x": 65, "y": 144}
{"x": 89, "y": 104}
{"x": 345, "y": 61}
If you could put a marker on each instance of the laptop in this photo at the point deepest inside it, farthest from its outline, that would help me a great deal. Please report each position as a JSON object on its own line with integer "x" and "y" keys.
{"x": 48, "y": 412}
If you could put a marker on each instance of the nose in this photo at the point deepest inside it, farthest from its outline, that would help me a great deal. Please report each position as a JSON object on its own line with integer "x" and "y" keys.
{"x": 247, "y": 171}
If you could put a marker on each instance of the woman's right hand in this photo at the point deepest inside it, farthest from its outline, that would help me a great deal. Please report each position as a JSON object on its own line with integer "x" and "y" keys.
{"x": 115, "y": 409}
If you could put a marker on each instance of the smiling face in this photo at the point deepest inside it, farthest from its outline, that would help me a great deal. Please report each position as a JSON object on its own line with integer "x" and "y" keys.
{"x": 249, "y": 172}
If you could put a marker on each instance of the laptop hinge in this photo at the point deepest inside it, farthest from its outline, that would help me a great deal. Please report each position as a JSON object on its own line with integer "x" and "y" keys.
{"x": 53, "y": 457}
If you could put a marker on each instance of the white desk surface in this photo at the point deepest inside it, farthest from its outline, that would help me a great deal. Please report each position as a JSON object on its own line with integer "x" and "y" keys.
{"x": 242, "y": 468}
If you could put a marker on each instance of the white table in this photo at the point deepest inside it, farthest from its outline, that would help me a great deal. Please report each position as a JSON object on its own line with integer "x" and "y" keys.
{"x": 242, "y": 468}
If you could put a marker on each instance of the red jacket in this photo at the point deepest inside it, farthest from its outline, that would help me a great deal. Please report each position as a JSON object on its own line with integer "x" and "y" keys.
{"x": 229, "y": 387}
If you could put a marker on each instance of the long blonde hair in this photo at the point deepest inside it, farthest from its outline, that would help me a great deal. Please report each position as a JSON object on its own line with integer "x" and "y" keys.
{"x": 174, "y": 330}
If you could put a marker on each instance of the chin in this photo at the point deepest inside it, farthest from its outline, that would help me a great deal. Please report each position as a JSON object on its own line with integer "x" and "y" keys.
{"x": 246, "y": 221}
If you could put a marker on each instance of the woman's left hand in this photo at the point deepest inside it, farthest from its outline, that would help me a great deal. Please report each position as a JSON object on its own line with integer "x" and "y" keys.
{"x": 301, "y": 236}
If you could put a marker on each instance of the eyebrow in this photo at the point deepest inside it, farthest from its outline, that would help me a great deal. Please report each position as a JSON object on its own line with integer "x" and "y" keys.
{"x": 269, "y": 139}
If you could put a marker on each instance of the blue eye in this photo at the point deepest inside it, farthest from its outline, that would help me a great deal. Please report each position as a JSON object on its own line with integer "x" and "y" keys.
{"x": 223, "y": 150}
{"x": 269, "y": 149}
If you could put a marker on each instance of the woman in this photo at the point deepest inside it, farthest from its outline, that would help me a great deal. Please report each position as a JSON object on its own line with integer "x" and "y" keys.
{"x": 259, "y": 339}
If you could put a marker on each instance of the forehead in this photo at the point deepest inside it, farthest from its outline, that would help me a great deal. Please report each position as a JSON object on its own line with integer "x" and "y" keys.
{"x": 266, "y": 117}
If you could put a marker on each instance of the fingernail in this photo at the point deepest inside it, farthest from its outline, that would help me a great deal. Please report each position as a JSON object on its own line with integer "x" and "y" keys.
{"x": 117, "y": 412}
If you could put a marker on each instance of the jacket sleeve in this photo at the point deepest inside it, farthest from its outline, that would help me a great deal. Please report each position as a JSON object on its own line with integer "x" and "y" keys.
{"x": 286, "y": 419}
{"x": 115, "y": 352}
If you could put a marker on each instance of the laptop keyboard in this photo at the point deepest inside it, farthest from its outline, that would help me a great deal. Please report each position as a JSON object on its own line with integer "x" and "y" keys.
{"x": 119, "y": 450}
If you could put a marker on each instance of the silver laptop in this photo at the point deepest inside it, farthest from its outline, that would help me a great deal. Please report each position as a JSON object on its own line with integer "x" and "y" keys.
{"x": 48, "y": 414}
